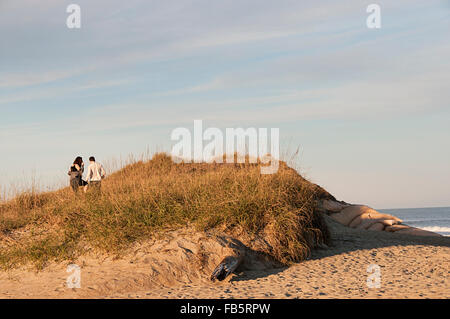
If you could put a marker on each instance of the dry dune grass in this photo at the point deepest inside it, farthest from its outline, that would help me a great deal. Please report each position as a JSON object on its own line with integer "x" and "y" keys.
{"x": 146, "y": 199}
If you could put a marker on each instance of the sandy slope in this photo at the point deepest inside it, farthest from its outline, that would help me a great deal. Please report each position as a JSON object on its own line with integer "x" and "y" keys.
{"x": 411, "y": 267}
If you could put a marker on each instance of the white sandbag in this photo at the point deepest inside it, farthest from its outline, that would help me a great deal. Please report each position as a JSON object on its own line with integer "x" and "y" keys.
{"x": 348, "y": 214}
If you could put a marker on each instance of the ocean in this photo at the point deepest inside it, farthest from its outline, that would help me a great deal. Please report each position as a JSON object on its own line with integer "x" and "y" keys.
{"x": 435, "y": 219}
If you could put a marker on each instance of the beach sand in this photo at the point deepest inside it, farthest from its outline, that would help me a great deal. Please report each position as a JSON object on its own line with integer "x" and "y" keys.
{"x": 410, "y": 267}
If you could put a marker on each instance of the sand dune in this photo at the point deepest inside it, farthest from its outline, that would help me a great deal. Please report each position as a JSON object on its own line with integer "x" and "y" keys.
{"x": 411, "y": 267}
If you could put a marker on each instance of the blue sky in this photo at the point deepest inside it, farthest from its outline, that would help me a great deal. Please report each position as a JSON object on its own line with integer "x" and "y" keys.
{"x": 369, "y": 108}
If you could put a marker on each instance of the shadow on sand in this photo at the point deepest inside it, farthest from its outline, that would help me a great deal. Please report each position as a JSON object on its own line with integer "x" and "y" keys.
{"x": 346, "y": 239}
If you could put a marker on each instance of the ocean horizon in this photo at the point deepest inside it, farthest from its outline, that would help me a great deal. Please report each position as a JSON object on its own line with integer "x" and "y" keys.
{"x": 435, "y": 219}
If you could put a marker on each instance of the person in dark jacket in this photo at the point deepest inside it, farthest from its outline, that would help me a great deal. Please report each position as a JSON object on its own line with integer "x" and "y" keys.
{"x": 76, "y": 174}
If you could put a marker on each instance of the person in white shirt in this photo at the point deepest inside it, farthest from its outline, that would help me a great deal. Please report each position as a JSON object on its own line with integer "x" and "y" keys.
{"x": 95, "y": 174}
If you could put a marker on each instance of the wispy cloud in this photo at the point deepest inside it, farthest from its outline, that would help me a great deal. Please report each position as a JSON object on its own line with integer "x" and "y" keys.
{"x": 21, "y": 79}
{"x": 36, "y": 94}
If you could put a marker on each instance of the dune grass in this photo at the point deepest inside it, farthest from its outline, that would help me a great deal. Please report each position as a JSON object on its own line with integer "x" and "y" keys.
{"x": 148, "y": 198}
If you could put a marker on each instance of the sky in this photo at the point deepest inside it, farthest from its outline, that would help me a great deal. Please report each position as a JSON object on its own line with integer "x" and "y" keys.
{"x": 369, "y": 109}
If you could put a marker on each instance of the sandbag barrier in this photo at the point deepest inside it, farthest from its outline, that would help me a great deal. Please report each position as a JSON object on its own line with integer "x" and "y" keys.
{"x": 364, "y": 217}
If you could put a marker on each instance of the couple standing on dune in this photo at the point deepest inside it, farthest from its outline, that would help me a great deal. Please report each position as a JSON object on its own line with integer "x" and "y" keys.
{"x": 95, "y": 174}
